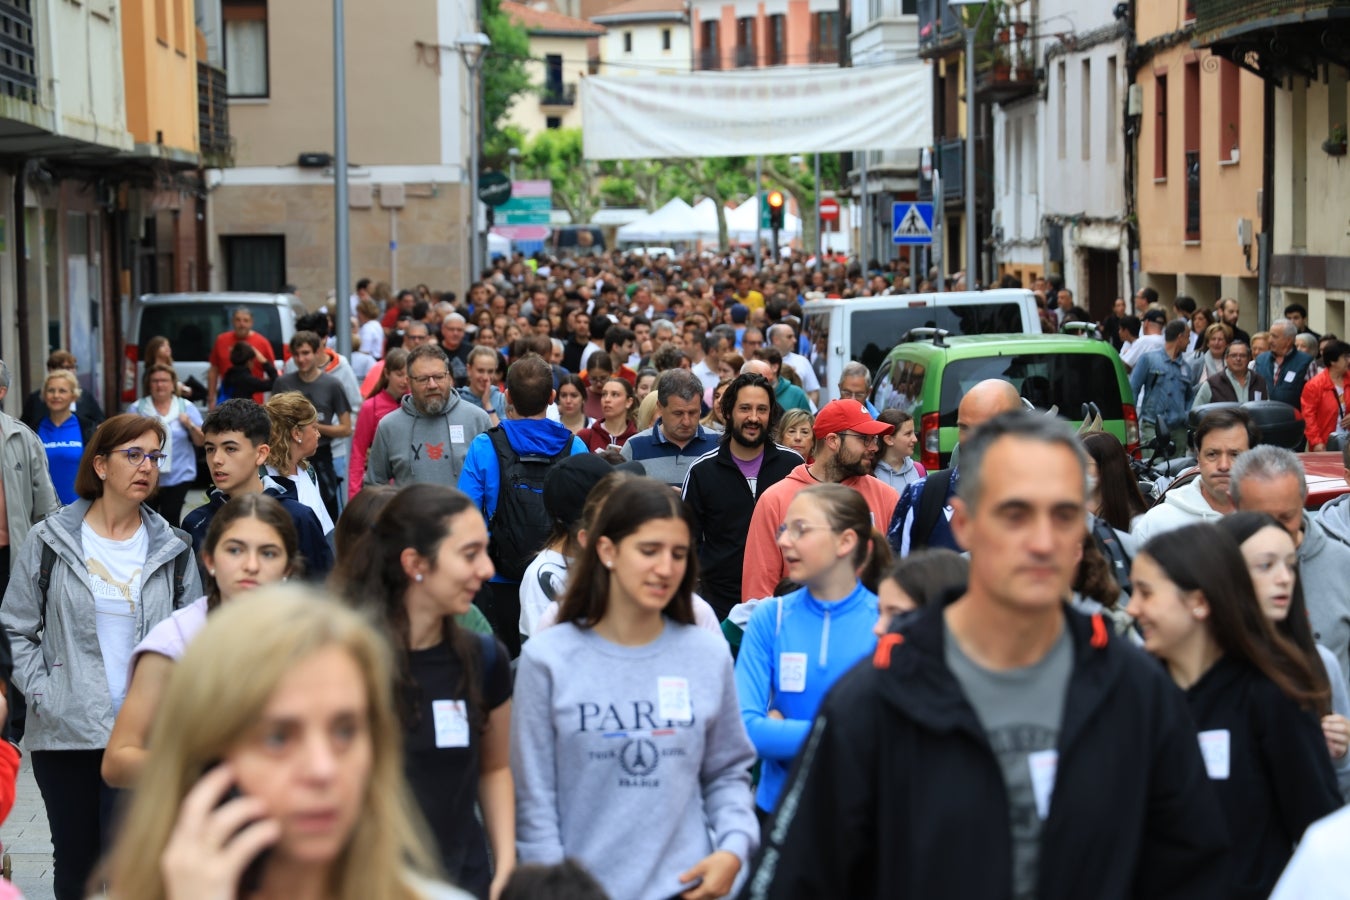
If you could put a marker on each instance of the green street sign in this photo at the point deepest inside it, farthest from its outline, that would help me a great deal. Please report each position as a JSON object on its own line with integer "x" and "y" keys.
{"x": 764, "y": 223}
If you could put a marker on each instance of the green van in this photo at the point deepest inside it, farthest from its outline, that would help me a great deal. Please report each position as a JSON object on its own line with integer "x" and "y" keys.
{"x": 927, "y": 378}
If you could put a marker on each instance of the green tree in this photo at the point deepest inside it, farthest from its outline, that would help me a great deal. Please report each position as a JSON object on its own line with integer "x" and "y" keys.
{"x": 503, "y": 78}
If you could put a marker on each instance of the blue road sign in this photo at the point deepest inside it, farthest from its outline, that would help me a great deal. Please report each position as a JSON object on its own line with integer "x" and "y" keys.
{"x": 911, "y": 223}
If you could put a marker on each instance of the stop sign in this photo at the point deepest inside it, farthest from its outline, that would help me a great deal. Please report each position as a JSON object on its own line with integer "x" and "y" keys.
{"x": 829, "y": 208}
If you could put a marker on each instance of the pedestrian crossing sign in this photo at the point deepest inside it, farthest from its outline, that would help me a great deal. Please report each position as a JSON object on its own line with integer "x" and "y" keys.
{"x": 911, "y": 223}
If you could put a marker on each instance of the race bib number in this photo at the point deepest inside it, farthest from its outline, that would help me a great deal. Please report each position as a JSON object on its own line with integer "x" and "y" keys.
{"x": 1215, "y": 747}
{"x": 672, "y": 699}
{"x": 792, "y": 672}
{"x": 452, "y": 723}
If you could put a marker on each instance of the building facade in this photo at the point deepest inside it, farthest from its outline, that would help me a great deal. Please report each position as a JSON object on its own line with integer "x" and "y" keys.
{"x": 560, "y": 56}
{"x": 1200, "y": 156}
{"x": 771, "y": 33}
{"x": 645, "y": 37}
{"x": 271, "y": 219}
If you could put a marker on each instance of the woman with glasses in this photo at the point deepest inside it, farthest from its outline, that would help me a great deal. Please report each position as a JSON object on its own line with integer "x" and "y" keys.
{"x": 797, "y": 646}
{"x": 113, "y": 569}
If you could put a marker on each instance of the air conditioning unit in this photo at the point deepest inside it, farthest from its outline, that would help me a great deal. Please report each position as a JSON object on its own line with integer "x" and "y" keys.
{"x": 1244, "y": 232}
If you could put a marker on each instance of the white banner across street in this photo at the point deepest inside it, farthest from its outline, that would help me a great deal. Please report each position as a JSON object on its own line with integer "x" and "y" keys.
{"x": 752, "y": 112}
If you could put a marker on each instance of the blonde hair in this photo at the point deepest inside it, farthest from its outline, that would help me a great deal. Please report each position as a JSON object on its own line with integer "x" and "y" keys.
{"x": 218, "y": 693}
{"x": 63, "y": 375}
{"x": 646, "y": 411}
{"x": 791, "y": 419}
{"x": 288, "y": 411}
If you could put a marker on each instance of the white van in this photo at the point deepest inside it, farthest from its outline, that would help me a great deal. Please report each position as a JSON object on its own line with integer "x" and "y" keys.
{"x": 192, "y": 322}
{"x": 865, "y": 329}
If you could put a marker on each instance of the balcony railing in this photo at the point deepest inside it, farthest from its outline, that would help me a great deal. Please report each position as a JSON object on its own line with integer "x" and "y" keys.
{"x": 1218, "y": 18}
{"x": 825, "y": 53}
{"x": 710, "y": 58}
{"x": 939, "y": 25}
{"x": 559, "y": 95}
{"x": 18, "y": 57}
{"x": 746, "y": 58}
{"x": 213, "y": 116}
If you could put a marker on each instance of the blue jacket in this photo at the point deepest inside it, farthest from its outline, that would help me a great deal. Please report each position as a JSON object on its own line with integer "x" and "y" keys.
{"x": 831, "y": 637}
{"x": 481, "y": 476}
{"x": 314, "y": 547}
{"x": 1168, "y": 388}
{"x": 1284, "y": 389}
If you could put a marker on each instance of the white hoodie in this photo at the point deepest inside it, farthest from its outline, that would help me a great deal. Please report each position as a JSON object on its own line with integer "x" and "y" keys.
{"x": 1183, "y": 506}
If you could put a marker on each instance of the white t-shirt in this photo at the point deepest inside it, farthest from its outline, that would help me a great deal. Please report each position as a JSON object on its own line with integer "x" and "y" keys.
{"x": 307, "y": 492}
{"x": 543, "y": 583}
{"x": 802, "y": 366}
{"x": 115, "y": 578}
{"x": 372, "y": 338}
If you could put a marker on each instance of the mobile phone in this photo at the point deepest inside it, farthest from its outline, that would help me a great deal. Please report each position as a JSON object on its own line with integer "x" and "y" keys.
{"x": 251, "y": 878}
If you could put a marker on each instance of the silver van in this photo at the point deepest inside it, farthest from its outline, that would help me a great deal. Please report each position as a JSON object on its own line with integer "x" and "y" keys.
{"x": 865, "y": 329}
{"x": 192, "y": 322}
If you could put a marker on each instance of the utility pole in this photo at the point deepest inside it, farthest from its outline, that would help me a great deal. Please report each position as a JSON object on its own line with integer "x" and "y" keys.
{"x": 342, "y": 312}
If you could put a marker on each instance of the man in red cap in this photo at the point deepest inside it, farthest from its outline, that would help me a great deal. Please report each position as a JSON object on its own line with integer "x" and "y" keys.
{"x": 848, "y": 442}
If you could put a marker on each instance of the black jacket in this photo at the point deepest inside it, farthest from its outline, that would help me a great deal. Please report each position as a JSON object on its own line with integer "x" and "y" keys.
{"x": 897, "y": 793}
{"x": 720, "y": 499}
{"x": 1280, "y": 778}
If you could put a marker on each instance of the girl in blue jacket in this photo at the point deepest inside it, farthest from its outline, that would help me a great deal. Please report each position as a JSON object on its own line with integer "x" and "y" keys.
{"x": 796, "y": 647}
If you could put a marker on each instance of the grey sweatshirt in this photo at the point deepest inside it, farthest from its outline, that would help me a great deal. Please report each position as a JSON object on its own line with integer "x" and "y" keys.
{"x": 411, "y": 448}
{"x": 1324, "y": 561}
{"x": 607, "y": 774}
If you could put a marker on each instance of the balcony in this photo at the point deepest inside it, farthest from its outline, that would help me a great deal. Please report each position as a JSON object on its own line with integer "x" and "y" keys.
{"x": 18, "y": 57}
{"x": 1007, "y": 70}
{"x": 951, "y": 162}
{"x": 1287, "y": 36}
{"x": 939, "y": 28}
{"x": 213, "y": 117}
{"x": 746, "y": 58}
{"x": 710, "y": 59}
{"x": 559, "y": 95}
{"x": 825, "y": 54}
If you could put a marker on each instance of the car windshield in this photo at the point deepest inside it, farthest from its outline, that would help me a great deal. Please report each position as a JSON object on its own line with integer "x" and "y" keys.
{"x": 1063, "y": 380}
{"x": 191, "y": 327}
{"x": 874, "y": 332}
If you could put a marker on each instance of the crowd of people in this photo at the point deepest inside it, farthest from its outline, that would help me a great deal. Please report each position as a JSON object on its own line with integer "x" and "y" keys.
{"x": 620, "y": 600}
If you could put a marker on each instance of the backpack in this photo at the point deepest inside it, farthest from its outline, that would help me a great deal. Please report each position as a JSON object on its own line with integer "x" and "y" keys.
{"x": 49, "y": 560}
{"x": 932, "y": 501}
{"x": 1115, "y": 554}
{"x": 520, "y": 524}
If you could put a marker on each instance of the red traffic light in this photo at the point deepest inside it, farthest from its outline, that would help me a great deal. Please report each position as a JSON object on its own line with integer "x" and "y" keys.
{"x": 775, "y": 200}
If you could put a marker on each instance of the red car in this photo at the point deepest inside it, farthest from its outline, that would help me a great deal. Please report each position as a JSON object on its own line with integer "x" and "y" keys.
{"x": 1326, "y": 477}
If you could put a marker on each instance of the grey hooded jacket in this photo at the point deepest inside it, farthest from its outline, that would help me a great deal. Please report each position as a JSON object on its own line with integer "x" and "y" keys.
{"x": 29, "y": 496}
{"x": 60, "y": 670}
{"x": 1324, "y": 561}
{"x": 413, "y": 448}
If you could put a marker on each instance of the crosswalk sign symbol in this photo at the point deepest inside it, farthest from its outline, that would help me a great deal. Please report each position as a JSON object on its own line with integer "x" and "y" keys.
{"x": 911, "y": 223}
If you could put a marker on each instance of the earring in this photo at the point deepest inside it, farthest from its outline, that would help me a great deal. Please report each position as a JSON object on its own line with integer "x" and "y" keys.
{"x": 1198, "y": 612}
{"x": 418, "y": 578}
{"x": 211, "y": 572}
{"x": 609, "y": 564}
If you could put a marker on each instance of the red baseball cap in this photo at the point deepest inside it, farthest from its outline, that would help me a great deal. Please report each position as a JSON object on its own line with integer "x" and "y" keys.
{"x": 848, "y": 415}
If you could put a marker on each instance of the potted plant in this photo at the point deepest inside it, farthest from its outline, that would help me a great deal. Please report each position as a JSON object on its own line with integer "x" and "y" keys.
{"x": 1334, "y": 145}
{"x": 1020, "y": 29}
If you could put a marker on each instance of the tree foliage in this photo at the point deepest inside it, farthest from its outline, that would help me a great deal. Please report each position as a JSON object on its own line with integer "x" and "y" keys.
{"x": 503, "y": 78}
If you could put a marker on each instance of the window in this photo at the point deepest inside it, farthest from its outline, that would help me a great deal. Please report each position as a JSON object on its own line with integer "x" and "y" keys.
{"x": 628, "y": 42}
{"x": 1112, "y": 110}
{"x": 1160, "y": 126}
{"x": 246, "y": 47}
{"x": 553, "y": 75}
{"x": 1062, "y": 102}
{"x": 162, "y": 21}
{"x": 775, "y": 54}
{"x": 745, "y": 42}
{"x": 1191, "y": 116}
{"x": 710, "y": 48}
{"x": 1085, "y": 114}
{"x": 552, "y": 123}
{"x": 1230, "y": 106}
{"x": 665, "y": 38}
{"x": 825, "y": 37}
{"x": 182, "y": 14}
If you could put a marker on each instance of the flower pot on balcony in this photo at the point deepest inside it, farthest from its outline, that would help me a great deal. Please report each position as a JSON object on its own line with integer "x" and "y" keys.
{"x": 1020, "y": 30}
{"x": 1004, "y": 35}
{"x": 1001, "y": 71}
{"x": 1333, "y": 147}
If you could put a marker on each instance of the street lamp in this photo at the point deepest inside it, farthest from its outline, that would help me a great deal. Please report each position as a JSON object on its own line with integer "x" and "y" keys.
{"x": 472, "y": 48}
{"x": 514, "y": 154}
{"x": 972, "y": 245}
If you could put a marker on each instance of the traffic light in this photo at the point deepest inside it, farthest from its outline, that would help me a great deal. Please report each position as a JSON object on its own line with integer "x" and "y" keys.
{"x": 776, "y": 202}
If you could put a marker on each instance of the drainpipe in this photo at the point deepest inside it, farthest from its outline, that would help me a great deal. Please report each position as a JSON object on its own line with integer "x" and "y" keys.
{"x": 1267, "y": 205}
{"x": 21, "y": 365}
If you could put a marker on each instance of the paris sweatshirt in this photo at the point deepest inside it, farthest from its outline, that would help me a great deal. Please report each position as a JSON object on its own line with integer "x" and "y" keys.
{"x": 631, "y": 760}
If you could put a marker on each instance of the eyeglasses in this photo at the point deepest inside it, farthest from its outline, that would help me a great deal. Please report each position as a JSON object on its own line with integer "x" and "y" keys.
{"x": 860, "y": 396}
{"x": 869, "y": 440}
{"x": 796, "y": 530}
{"x": 424, "y": 380}
{"x": 136, "y": 456}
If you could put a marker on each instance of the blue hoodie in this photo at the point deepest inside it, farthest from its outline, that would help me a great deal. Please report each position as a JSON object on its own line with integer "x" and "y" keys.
{"x": 481, "y": 475}
{"x": 831, "y": 636}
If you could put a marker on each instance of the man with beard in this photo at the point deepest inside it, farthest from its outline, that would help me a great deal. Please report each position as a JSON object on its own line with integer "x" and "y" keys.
{"x": 911, "y": 529}
{"x": 723, "y": 485}
{"x": 426, "y": 439}
{"x": 848, "y": 442}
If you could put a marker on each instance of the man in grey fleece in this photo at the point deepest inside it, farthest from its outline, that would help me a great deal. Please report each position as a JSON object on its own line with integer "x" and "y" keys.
{"x": 426, "y": 439}
{"x": 1271, "y": 480}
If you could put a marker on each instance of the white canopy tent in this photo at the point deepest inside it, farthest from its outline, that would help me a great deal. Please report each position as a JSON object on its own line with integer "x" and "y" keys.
{"x": 744, "y": 219}
{"x": 676, "y": 221}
